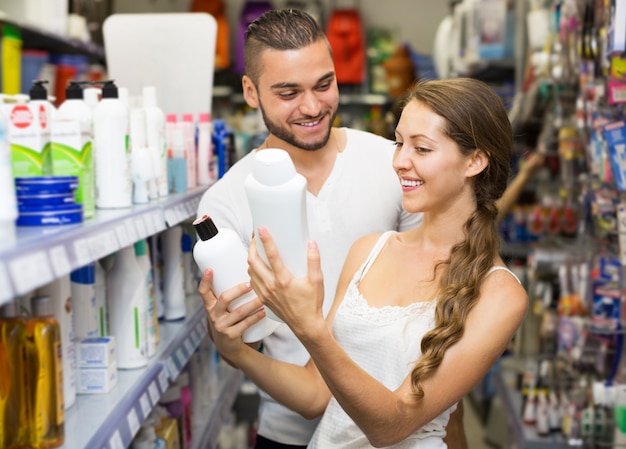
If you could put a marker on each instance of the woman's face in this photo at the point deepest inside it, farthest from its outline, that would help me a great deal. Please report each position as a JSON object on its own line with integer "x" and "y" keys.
{"x": 433, "y": 172}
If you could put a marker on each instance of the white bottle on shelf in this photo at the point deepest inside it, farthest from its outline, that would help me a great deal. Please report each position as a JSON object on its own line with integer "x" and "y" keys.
{"x": 173, "y": 274}
{"x": 152, "y": 327}
{"x": 205, "y": 150}
{"x": 127, "y": 306}
{"x": 101, "y": 298}
{"x": 60, "y": 293}
{"x": 85, "y": 311}
{"x": 223, "y": 251}
{"x": 277, "y": 199}
{"x": 155, "y": 131}
{"x": 113, "y": 169}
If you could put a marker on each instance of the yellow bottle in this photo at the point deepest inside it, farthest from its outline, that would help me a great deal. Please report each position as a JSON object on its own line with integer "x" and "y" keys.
{"x": 13, "y": 412}
{"x": 45, "y": 368}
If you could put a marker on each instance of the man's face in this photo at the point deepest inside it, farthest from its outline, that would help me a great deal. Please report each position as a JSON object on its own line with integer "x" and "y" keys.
{"x": 297, "y": 94}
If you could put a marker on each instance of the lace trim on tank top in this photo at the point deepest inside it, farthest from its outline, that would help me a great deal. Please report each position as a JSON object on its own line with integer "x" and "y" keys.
{"x": 356, "y": 303}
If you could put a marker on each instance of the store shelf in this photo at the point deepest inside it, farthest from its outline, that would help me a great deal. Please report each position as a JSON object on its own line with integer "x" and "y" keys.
{"x": 523, "y": 435}
{"x": 220, "y": 411}
{"x": 42, "y": 254}
{"x": 36, "y": 38}
{"x": 109, "y": 421}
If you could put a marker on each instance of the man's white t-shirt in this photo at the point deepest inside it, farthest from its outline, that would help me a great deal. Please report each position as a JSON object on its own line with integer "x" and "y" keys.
{"x": 361, "y": 196}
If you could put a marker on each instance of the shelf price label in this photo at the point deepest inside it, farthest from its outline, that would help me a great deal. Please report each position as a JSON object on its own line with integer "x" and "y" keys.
{"x": 103, "y": 244}
{"x": 144, "y": 403}
{"x": 82, "y": 252}
{"x": 158, "y": 221}
{"x": 153, "y": 392}
{"x": 115, "y": 442}
{"x": 30, "y": 271}
{"x": 60, "y": 262}
{"x": 133, "y": 421}
{"x": 163, "y": 383}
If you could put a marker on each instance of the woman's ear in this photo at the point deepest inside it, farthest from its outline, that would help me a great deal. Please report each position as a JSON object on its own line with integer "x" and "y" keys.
{"x": 477, "y": 162}
{"x": 250, "y": 93}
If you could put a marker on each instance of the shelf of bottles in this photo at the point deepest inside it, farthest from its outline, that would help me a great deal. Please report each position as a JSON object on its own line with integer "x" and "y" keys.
{"x": 42, "y": 254}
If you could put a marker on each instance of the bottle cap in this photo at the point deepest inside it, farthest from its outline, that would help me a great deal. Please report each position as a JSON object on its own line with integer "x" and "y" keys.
{"x": 84, "y": 275}
{"x": 38, "y": 90}
{"x": 205, "y": 227}
{"x": 41, "y": 305}
{"x": 74, "y": 91}
{"x": 149, "y": 97}
{"x": 141, "y": 248}
{"x": 109, "y": 90}
{"x": 272, "y": 167}
{"x": 10, "y": 310}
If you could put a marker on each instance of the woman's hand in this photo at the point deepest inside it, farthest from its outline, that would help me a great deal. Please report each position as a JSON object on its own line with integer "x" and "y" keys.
{"x": 226, "y": 328}
{"x": 297, "y": 301}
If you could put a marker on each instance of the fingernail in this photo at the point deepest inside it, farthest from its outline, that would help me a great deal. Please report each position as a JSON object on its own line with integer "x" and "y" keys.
{"x": 312, "y": 244}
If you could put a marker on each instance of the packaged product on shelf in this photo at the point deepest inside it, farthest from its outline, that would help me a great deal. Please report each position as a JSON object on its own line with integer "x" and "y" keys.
{"x": 205, "y": 150}
{"x": 142, "y": 164}
{"x": 14, "y": 424}
{"x": 8, "y": 205}
{"x": 156, "y": 139}
{"x": 45, "y": 379}
{"x": 128, "y": 309}
{"x": 59, "y": 293}
{"x": 71, "y": 139}
{"x": 113, "y": 169}
{"x": 83, "y": 291}
{"x": 152, "y": 329}
{"x": 173, "y": 275}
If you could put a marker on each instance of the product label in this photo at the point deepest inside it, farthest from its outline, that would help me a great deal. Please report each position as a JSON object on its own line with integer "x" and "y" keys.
{"x": 72, "y": 155}
{"x": 29, "y": 139}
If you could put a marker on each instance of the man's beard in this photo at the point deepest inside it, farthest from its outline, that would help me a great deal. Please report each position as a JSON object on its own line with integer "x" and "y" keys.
{"x": 287, "y": 136}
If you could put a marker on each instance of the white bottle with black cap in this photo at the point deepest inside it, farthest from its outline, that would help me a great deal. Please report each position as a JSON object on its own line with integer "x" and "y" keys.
{"x": 39, "y": 97}
{"x": 113, "y": 167}
{"x": 223, "y": 251}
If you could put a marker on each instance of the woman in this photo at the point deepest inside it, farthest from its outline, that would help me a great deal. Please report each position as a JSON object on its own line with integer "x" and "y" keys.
{"x": 419, "y": 316}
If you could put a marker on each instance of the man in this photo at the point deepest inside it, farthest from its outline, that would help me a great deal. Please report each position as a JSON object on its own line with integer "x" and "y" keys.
{"x": 290, "y": 78}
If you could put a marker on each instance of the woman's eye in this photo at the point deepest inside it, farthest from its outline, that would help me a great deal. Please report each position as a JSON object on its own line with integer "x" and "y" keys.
{"x": 397, "y": 145}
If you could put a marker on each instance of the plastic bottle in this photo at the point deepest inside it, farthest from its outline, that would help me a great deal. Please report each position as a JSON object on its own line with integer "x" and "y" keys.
{"x": 178, "y": 163}
{"x": 73, "y": 155}
{"x": 8, "y": 205}
{"x": 223, "y": 251}
{"x": 147, "y": 438}
{"x": 154, "y": 243}
{"x": 277, "y": 199}
{"x": 45, "y": 379}
{"x": 127, "y": 306}
{"x": 205, "y": 150}
{"x": 85, "y": 312}
{"x": 221, "y": 146}
{"x": 152, "y": 329}
{"x": 13, "y": 412}
{"x": 60, "y": 293}
{"x": 191, "y": 283}
{"x": 113, "y": 169}
{"x": 190, "y": 150}
{"x": 173, "y": 274}
{"x": 142, "y": 163}
{"x": 101, "y": 298}
{"x": 155, "y": 126}
{"x": 39, "y": 96}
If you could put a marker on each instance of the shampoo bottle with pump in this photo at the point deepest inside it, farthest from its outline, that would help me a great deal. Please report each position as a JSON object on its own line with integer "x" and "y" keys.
{"x": 128, "y": 309}
{"x": 45, "y": 380}
{"x": 223, "y": 251}
{"x": 72, "y": 153}
{"x": 13, "y": 412}
{"x": 113, "y": 169}
{"x": 277, "y": 199}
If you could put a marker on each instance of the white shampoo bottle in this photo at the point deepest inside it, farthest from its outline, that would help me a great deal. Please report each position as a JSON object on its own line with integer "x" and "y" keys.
{"x": 277, "y": 199}
{"x": 127, "y": 303}
{"x": 113, "y": 169}
{"x": 223, "y": 251}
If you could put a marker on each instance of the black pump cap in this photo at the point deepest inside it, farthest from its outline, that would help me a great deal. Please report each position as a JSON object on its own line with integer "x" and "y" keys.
{"x": 38, "y": 90}
{"x": 109, "y": 90}
{"x": 74, "y": 91}
{"x": 205, "y": 227}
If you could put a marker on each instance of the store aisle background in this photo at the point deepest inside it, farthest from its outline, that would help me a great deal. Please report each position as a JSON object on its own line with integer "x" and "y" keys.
{"x": 474, "y": 428}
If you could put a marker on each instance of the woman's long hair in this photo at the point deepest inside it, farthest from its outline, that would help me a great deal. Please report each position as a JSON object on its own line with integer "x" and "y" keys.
{"x": 475, "y": 118}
